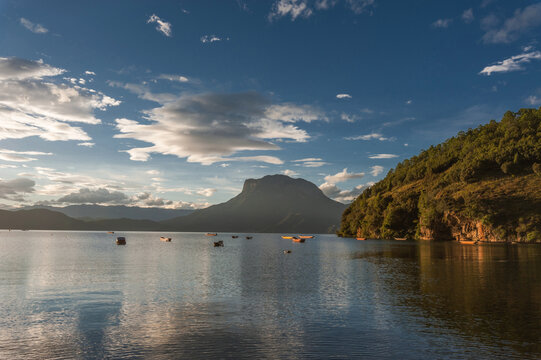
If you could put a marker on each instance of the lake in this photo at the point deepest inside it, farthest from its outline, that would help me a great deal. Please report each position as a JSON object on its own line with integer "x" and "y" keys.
{"x": 67, "y": 295}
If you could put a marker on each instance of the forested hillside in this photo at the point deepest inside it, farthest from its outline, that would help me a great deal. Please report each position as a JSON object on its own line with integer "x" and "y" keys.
{"x": 483, "y": 184}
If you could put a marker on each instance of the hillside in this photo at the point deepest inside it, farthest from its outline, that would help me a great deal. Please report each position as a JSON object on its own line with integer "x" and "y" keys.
{"x": 274, "y": 203}
{"x": 483, "y": 184}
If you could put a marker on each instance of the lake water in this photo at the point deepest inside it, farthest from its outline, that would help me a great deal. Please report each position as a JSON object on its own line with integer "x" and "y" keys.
{"x": 67, "y": 295}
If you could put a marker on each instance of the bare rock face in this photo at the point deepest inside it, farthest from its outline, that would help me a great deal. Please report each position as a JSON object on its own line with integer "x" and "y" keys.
{"x": 463, "y": 228}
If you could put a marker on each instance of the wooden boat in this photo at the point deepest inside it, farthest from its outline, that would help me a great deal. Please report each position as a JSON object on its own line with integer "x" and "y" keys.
{"x": 296, "y": 239}
{"x": 359, "y": 237}
{"x": 211, "y": 234}
{"x": 306, "y": 236}
{"x": 400, "y": 239}
{"x": 235, "y": 237}
{"x": 287, "y": 251}
{"x": 468, "y": 242}
{"x": 248, "y": 237}
{"x": 121, "y": 240}
{"x": 287, "y": 237}
{"x": 110, "y": 232}
{"x": 166, "y": 239}
{"x": 218, "y": 243}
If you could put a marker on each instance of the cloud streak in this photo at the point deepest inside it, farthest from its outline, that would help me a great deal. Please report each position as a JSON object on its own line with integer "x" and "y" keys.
{"x": 35, "y": 28}
{"x": 522, "y": 21}
{"x": 514, "y": 63}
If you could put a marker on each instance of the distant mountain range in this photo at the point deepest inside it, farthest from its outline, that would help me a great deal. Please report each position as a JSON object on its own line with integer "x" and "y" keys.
{"x": 100, "y": 212}
{"x": 274, "y": 203}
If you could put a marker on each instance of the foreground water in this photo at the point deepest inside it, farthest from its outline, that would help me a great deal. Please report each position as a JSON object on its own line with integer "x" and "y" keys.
{"x": 67, "y": 295}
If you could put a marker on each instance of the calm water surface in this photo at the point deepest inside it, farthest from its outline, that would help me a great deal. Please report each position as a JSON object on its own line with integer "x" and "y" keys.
{"x": 67, "y": 295}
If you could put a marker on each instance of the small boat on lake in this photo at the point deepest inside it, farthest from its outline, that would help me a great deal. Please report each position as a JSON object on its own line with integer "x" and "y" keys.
{"x": 296, "y": 239}
{"x": 287, "y": 237}
{"x": 235, "y": 237}
{"x": 306, "y": 236}
{"x": 361, "y": 238}
{"x": 249, "y": 237}
{"x": 121, "y": 240}
{"x": 165, "y": 239}
{"x": 110, "y": 232}
{"x": 287, "y": 251}
{"x": 468, "y": 242}
{"x": 211, "y": 234}
{"x": 400, "y": 239}
{"x": 218, "y": 243}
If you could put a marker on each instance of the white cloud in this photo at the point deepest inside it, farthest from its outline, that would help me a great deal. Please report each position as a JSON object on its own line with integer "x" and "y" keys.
{"x": 343, "y": 96}
{"x": 22, "y": 69}
{"x": 442, "y": 23}
{"x": 383, "y": 156}
{"x": 345, "y": 196}
{"x": 35, "y": 28}
{"x": 342, "y": 176}
{"x": 376, "y": 170}
{"x": 212, "y": 38}
{"x": 467, "y": 16}
{"x": 349, "y": 118}
{"x": 87, "y": 144}
{"x": 290, "y": 172}
{"x": 206, "y": 192}
{"x": 153, "y": 172}
{"x": 32, "y": 106}
{"x": 533, "y": 100}
{"x": 15, "y": 189}
{"x": 305, "y": 8}
{"x": 209, "y": 128}
{"x": 18, "y": 156}
{"x": 88, "y": 72}
{"x": 310, "y": 162}
{"x": 161, "y": 25}
{"x": 143, "y": 92}
{"x": 224, "y": 165}
{"x": 513, "y": 63}
{"x": 372, "y": 136}
{"x": 409, "y": 102}
{"x": 521, "y": 22}
{"x": 170, "y": 77}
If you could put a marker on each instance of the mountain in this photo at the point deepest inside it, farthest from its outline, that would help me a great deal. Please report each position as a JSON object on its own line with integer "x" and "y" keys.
{"x": 274, "y": 203}
{"x": 99, "y": 212}
{"x": 483, "y": 185}
{"x": 43, "y": 219}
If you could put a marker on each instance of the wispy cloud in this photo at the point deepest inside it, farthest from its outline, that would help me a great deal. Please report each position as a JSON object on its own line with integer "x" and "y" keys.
{"x": 290, "y": 172}
{"x": 170, "y": 77}
{"x": 88, "y": 72}
{"x": 305, "y": 8}
{"x": 310, "y": 162}
{"x": 383, "y": 156}
{"x": 522, "y": 21}
{"x": 86, "y": 144}
{"x": 467, "y": 16}
{"x": 20, "y": 156}
{"x": 35, "y": 28}
{"x": 343, "y": 96}
{"x": 442, "y": 23}
{"x": 372, "y": 136}
{"x": 514, "y": 63}
{"x": 15, "y": 189}
{"x": 534, "y": 100}
{"x": 212, "y": 38}
{"x": 376, "y": 170}
{"x": 161, "y": 25}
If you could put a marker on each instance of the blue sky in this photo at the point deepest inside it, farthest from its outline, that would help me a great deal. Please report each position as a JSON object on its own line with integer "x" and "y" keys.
{"x": 176, "y": 103}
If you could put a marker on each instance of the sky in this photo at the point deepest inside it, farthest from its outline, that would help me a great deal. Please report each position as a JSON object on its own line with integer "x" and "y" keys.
{"x": 175, "y": 103}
